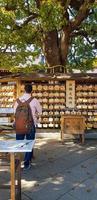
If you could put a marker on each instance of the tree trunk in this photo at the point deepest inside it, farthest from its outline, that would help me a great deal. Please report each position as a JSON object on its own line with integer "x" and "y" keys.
{"x": 51, "y": 50}
{"x": 64, "y": 46}
{"x": 55, "y": 49}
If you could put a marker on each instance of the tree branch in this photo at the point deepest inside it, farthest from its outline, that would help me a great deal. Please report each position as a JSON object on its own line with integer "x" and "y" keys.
{"x": 65, "y": 4}
{"x": 37, "y": 3}
{"x": 82, "y": 33}
{"x": 3, "y": 50}
{"x": 82, "y": 14}
{"x": 30, "y": 18}
{"x": 24, "y": 22}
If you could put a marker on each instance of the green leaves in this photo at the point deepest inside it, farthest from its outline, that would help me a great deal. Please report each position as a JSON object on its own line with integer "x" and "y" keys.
{"x": 51, "y": 16}
{"x": 81, "y": 55}
{"x": 6, "y": 18}
{"x": 23, "y": 27}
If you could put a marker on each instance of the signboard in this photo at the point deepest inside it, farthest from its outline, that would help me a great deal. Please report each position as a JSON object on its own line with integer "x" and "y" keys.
{"x": 70, "y": 93}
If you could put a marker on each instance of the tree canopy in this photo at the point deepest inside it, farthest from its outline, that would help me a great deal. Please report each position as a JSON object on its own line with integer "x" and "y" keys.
{"x": 63, "y": 31}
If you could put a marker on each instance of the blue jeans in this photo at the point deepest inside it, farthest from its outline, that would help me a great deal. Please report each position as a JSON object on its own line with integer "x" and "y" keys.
{"x": 28, "y": 136}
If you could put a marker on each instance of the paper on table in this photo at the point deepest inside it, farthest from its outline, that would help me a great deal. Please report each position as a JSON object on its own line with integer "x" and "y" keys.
{"x": 16, "y": 145}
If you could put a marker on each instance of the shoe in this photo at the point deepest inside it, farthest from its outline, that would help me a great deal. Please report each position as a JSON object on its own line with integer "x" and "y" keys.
{"x": 26, "y": 167}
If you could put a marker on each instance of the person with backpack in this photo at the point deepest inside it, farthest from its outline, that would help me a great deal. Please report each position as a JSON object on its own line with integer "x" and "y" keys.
{"x": 26, "y": 109}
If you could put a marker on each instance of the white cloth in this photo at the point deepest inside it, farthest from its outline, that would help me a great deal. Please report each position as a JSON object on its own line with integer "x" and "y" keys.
{"x": 34, "y": 105}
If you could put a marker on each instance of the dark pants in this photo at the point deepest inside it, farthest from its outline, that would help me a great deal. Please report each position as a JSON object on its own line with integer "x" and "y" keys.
{"x": 28, "y": 136}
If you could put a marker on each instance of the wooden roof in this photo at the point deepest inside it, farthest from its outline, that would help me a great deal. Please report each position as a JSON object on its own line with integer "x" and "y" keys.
{"x": 4, "y": 72}
{"x": 44, "y": 76}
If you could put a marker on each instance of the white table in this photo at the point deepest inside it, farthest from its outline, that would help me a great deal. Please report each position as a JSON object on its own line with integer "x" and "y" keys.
{"x": 12, "y": 147}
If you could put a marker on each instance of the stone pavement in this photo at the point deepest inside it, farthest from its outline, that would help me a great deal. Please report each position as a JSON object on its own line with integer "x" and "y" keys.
{"x": 59, "y": 172}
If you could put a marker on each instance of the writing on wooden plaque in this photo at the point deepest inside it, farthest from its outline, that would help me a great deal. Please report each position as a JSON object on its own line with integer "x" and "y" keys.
{"x": 70, "y": 93}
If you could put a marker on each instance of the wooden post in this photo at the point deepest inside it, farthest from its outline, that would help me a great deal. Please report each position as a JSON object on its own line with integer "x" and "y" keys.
{"x": 12, "y": 168}
{"x": 62, "y": 129}
{"x": 19, "y": 178}
{"x": 18, "y": 83}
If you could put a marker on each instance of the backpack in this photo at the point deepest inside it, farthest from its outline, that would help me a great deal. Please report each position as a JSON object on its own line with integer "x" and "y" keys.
{"x": 23, "y": 117}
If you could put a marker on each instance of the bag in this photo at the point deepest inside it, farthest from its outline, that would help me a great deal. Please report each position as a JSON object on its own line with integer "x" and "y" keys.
{"x": 23, "y": 117}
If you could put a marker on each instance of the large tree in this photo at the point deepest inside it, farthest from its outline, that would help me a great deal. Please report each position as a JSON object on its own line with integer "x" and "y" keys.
{"x": 64, "y": 31}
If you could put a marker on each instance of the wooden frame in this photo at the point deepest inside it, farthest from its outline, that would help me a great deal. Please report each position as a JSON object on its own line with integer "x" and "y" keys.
{"x": 72, "y": 124}
{"x": 13, "y": 169}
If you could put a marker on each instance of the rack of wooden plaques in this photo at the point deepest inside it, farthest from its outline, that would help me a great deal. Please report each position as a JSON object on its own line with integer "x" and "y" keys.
{"x": 7, "y": 97}
{"x": 51, "y": 95}
{"x": 55, "y": 96}
{"x": 86, "y": 103}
